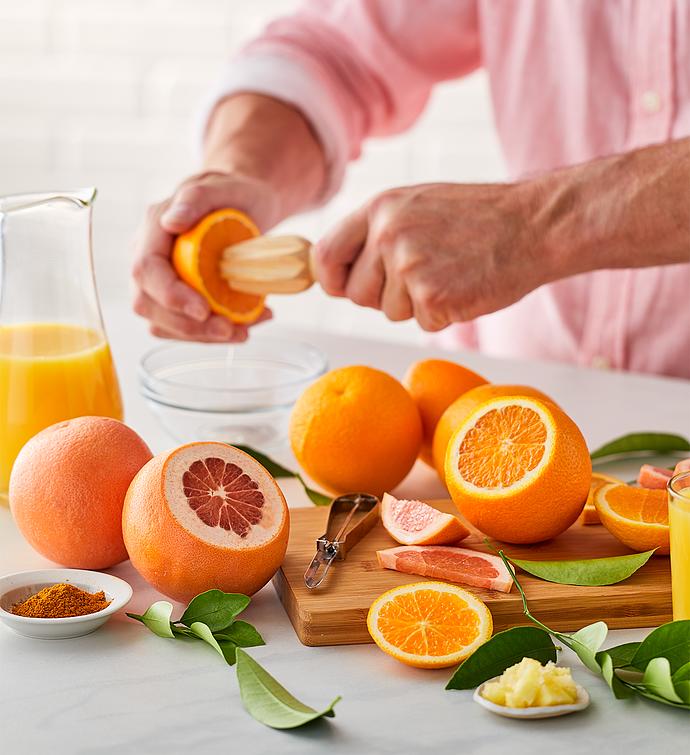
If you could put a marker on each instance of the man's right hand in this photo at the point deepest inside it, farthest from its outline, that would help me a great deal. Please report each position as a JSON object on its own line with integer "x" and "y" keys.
{"x": 173, "y": 309}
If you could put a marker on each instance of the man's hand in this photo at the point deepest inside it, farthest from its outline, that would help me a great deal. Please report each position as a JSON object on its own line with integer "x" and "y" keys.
{"x": 440, "y": 253}
{"x": 173, "y": 308}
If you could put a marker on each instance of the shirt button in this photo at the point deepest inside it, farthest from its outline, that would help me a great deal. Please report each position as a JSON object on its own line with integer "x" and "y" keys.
{"x": 600, "y": 362}
{"x": 651, "y": 102}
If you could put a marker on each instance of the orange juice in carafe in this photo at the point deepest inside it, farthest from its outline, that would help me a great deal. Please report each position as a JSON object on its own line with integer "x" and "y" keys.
{"x": 50, "y": 372}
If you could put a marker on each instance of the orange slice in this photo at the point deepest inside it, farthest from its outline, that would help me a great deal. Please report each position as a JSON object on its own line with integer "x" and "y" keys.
{"x": 518, "y": 469}
{"x": 417, "y": 523}
{"x": 638, "y": 517}
{"x": 429, "y": 624}
{"x": 196, "y": 258}
{"x": 589, "y": 513}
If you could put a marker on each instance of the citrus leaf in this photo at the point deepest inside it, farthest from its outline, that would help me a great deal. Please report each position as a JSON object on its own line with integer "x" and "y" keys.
{"x": 621, "y": 655}
{"x": 204, "y": 633}
{"x": 318, "y": 499}
{"x": 657, "y": 680}
{"x": 215, "y": 608}
{"x": 157, "y": 618}
{"x": 586, "y": 643}
{"x": 266, "y": 700}
{"x": 241, "y": 633}
{"x": 502, "y": 651}
{"x": 588, "y": 572}
{"x": 620, "y": 690}
{"x": 636, "y": 442}
{"x": 671, "y": 641}
{"x": 229, "y": 650}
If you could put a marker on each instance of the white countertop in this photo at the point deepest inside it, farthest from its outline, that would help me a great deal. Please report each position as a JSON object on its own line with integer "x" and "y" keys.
{"x": 123, "y": 690}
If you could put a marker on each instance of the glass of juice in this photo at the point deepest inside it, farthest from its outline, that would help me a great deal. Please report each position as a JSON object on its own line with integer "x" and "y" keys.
{"x": 679, "y": 527}
{"x": 55, "y": 362}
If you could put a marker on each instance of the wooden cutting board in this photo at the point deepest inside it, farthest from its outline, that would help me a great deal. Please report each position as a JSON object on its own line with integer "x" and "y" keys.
{"x": 336, "y": 612}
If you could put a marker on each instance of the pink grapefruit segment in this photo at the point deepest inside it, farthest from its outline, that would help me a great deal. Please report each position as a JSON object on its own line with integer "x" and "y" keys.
{"x": 417, "y": 523}
{"x": 653, "y": 478}
{"x": 461, "y": 565}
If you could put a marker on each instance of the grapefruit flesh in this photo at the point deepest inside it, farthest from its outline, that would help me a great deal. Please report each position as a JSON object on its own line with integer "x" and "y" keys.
{"x": 417, "y": 523}
{"x": 452, "y": 564}
{"x": 653, "y": 478}
{"x": 205, "y": 515}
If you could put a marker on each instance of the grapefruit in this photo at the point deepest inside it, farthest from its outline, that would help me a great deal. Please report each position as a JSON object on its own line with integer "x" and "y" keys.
{"x": 203, "y": 516}
{"x": 356, "y": 429}
{"x": 68, "y": 486}
{"x": 654, "y": 478}
{"x": 460, "y": 409}
{"x": 434, "y": 384}
{"x": 518, "y": 469}
{"x": 453, "y": 564}
{"x": 417, "y": 523}
{"x": 429, "y": 624}
{"x": 589, "y": 513}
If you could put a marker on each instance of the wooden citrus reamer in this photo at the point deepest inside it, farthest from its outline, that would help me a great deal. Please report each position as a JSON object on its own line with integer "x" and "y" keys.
{"x": 269, "y": 265}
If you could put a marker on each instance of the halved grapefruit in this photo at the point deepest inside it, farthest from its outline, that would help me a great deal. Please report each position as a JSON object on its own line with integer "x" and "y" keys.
{"x": 453, "y": 564}
{"x": 417, "y": 523}
{"x": 205, "y": 515}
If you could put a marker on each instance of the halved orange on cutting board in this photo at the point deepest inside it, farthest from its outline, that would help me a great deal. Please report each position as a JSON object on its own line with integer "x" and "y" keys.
{"x": 518, "y": 469}
{"x": 589, "y": 513}
{"x": 196, "y": 258}
{"x": 429, "y": 624}
{"x": 638, "y": 517}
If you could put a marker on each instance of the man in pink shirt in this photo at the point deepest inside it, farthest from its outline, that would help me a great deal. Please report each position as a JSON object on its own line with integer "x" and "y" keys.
{"x": 583, "y": 257}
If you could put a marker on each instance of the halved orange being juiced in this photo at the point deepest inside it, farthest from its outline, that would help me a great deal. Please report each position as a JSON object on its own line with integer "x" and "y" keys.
{"x": 197, "y": 255}
{"x": 518, "y": 469}
{"x": 429, "y": 624}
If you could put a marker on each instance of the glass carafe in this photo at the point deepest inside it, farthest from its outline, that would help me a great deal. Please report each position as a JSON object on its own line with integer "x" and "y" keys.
{"x": 55, "y": 362}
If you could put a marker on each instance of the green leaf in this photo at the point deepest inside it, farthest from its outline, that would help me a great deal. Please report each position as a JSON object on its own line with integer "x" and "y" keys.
{"x": 203, "y": 632}
{"x": 657, "y": 680}
{"x": 621, "y": 655}
{"x": 229, "y": 650}
{"x": 651, "y": 696}
{"x": 502, "y": 651}
{"x": 157, "y": 618}
{"x": 279, "y": 471}
{"x": 620, "y": 690}
{"x": 586, "y": 643}
{"x": 241, "y": 633}
{"x": 636, "y": 442}
{"x": 671, "y": 641}
{"x": 266, "y": 700}
{"x": 215, "y": 608}
{"x": 587, "y": 572}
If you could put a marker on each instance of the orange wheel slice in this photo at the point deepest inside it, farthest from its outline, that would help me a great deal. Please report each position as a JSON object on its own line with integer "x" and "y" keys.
{"x": 589, "y": 513}
{"x": 518, "y": 469}
{"x": 638, "y": 517}
{"x": 429, "y": 624}
{"x": 196, "y": 258}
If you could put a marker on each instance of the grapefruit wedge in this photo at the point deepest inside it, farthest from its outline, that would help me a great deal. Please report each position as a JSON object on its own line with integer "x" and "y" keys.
{"x": 417, "y": 523}
{"x": 653, "y": 478}
{"x": 452, "y": 564}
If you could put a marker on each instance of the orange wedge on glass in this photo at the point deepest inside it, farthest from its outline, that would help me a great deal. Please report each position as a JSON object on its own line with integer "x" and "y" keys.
{"x": 638, "y": 517}
{"x": 429, "y": 624}
{"x": 589, "y": 513}
{"x": 518, "y": 469}
{"x": 196, "y": 258}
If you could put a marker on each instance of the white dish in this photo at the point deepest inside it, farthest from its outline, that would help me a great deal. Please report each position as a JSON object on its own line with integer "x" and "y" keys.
{"x": 546, "y": 711}
{"x": 15, "y": 588}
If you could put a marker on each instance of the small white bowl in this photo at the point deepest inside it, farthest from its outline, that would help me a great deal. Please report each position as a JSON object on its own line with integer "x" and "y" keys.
{"x": 14, "y": 588}
{"x": 545, "y": 711}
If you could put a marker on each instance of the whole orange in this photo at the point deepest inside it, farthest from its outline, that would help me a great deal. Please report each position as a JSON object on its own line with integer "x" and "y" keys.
{"x": 456, "y": 413}
{"x": 356, "y": 429}
{"x": 434, "y": 384}
{"x": 68, "y": 486}
{"x": 203, "y": 516}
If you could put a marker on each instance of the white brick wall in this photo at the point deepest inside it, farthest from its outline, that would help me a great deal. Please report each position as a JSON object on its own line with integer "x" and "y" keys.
{"x": 95, "y": 92}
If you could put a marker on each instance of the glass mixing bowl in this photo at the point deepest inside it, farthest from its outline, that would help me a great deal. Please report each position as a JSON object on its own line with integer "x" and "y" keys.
{"x": 238, "y": 394}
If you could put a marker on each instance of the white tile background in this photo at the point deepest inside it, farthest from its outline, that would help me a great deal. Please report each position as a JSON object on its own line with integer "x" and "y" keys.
{"x": 97, "y": 92}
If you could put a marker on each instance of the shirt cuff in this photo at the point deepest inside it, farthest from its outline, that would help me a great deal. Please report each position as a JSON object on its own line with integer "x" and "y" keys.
{"x": 290, "y": 81}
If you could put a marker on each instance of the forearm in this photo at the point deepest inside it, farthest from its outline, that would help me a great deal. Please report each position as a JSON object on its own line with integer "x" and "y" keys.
{"x": 265, "y": 139}
{"x": 629, "y": 210}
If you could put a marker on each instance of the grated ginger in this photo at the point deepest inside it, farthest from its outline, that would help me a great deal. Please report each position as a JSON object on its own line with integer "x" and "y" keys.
{"x": 528, "y": 684}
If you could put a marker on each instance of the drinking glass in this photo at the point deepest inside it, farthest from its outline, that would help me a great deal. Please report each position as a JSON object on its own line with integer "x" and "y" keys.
{"x": 679, "y": 527}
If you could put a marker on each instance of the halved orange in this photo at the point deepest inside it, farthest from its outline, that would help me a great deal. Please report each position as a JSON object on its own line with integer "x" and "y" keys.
{"x": 429, "y": 624}
{"x": 196, "y": 258}
{"x": 638, "y": 517}
{"x": 589, "y": 513}
{"x": 518, "y": 469}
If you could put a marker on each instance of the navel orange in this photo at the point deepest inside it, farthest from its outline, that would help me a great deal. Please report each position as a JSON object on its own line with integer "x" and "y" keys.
{"x": 434, "y": 384}
{"x": 203, "y": 516}
{"x": 456, "y": 413}
{"x": 68, "y": 486}
{"x": 638, "y": 517}
{"x": 589, "y": 513}
{"x": 356, "y": 429}
{"x": 518, "y": 469}
{"x": 197, "y": 255}
{"x": 429, "y": 624}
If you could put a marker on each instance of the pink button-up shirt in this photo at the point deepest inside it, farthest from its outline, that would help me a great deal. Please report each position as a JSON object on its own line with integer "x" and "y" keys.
{"x": 571, "y": 80}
